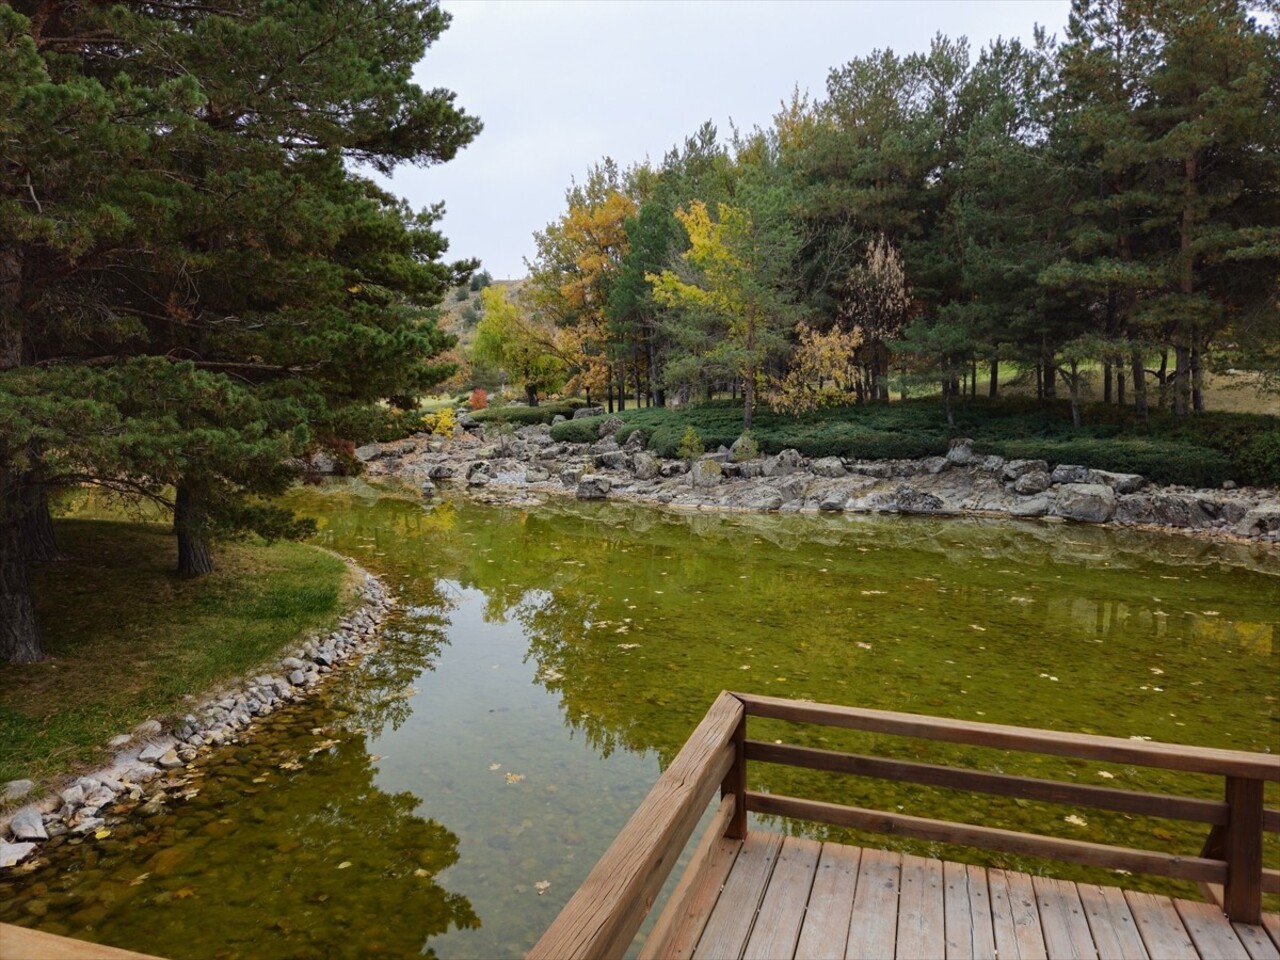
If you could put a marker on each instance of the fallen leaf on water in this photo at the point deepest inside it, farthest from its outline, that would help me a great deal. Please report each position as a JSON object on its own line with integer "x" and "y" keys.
{"x": 1106, "y": 775}
{"x": 421, "y": 872}
{"x": 872, "y": 593}
{"x": 101, "y": 833}
{"x": 344, "y": 864}
{"x": 259, "y": 779}
{"x": 494, "y": 766}
{"x": 1076, "y": 820}
{"x": 139, "y": 879}
{"x": 542, "y": 886}
{"x": 976, "y": 627}
{"x": 514, "y": 777}
{"x": 185, "y": 893}
{"x": 863, "y": 645}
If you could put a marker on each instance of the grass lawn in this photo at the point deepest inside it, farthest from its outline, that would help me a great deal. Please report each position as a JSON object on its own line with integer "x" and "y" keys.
{"x": 128, "y": 640}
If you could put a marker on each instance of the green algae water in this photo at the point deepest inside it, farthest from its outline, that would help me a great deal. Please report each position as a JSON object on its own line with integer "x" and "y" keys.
{"x": 447, "y": 795}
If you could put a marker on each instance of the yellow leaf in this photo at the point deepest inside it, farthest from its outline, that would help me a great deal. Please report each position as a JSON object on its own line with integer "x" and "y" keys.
{"x": 344, "y": 864}
{"x": 101, "y": 833}
{"x": 514, "y": 777}
{"x": 185, "y": 893}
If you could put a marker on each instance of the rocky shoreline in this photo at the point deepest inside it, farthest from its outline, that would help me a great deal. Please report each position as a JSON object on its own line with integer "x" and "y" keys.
{"x": 137, "y": 775}
{"x": 961, "y": 483}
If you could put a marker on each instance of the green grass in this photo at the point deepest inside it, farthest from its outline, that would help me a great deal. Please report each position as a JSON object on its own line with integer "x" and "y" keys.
{"x": 128, "y": 640}
{"x": 1203, "y": 450}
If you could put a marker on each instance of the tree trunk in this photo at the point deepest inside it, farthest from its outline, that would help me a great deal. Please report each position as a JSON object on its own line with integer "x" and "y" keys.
{"x": 531, "y": 394}
{"x": 1106, "y": 381}
{"x": 1139, "y": 383}
{"x": 37, "y": 524}
{"x": 1120, "y": 385}
{"x": 946, "y": 403}
{"x": 191, "y": 523}
{"x": 748, "y": 397}
{"x": 1181, "y": 380}
{"x": 1073, "y": 384}
{"x": 993, "y": 387}
{"x": 19, "y": 630}
{"x": 1197, "y": 380}
{"x": 1050, "y": 382}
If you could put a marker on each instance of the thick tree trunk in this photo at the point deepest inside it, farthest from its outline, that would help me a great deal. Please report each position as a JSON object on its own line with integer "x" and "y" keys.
{"x": 19, "y": 630}
{"x": 622, "y": 390}
{"x": 1050, "y": 382}
{"x": 1120, "y": 385}
{"x": 1197, "y": 380}
{"x": 190, "y": 522}
{"x": 531, "y": 394}
{"x": 37, "y": 524}
{"x": 1073, "y": 384}
{"x": 1107, "y": 376}
{"x": 993, "y": 387}
{"x": 1181, "y": 380}
{"x": 748, "y": 397}
{"x": 1139, "y": 371}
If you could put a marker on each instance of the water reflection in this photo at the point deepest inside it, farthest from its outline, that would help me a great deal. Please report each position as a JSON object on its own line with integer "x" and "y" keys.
{"x": 450, "y": 793}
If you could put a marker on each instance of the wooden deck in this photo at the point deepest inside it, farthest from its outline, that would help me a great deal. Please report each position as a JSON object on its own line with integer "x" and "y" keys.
{"x": 770, "y": 897}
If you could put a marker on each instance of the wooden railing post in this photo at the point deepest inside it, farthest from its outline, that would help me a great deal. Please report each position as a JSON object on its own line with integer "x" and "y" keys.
{"x": 735, "y": 782}
{"x": 1242, "y": 849}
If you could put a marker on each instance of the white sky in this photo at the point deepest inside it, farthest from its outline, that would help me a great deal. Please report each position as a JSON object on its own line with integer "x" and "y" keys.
{"x": 559, "y": 84}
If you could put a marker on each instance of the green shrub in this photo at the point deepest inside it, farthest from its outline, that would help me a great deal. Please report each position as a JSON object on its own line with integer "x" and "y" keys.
{"x": 748, "y": 449}
{"x": 1258, "y": 459}
{"x": 523, "y": 416}
{"x": 691, "y": 445}
{"x": 1162, "y": 461}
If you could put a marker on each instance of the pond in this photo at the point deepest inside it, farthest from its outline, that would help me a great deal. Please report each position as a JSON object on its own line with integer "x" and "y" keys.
{"x": 448, "y": 794}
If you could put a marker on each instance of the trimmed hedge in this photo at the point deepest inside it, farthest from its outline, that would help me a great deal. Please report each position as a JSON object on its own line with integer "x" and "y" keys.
{"x": 523, "y": 416}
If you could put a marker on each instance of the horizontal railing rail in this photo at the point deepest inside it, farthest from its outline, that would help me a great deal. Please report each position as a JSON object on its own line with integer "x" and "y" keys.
{"x": 603, "y": 916}
{"x": 1231, "y": 859}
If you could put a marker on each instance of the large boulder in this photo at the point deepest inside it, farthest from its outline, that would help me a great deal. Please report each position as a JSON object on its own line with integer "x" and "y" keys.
{"x": 593, "y": 486}
{"x": 1030, "y": 506}
{"x": 478, "y": 473}
{"x": 1037, "y": 481}
{"x": 705, "y": 473}
{"x": 613, "y": 460}
{"x": 787, "y": 462}
{"x": 1259, "y": 521}
{"x": 754, "y": 496}
{"x": 609, "y": 427}
{"x": 1070, "y": 473}
{"x": 911, "y": 500}
{"x": 1016, "y": 468}
{"x": 1086, "y": 502}
{"x": 635, "y": 441}
{"x": 441, "y": 471}
{"x": 829, "y": 467}
{"x": 1119, "y": 482}
{"x": 536, "y": 474}
{"x": 960, "y": 453}
{"x": 645, "y": 465}
{"x": 583, "y": 412}
{"x": 571, "y": 474}
{"x": 673, "y": 468}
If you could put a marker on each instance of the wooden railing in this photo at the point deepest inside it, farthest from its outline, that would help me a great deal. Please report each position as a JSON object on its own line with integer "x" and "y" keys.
{"x": 602, "y": 917}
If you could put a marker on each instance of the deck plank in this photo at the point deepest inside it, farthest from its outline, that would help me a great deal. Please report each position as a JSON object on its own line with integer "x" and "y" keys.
{"x": 734, "y": 913}
{"x": 1014, "y": 916}
{"x": 1271, "y": 923}
{"x": 873, "y": 923}
{"x": 777, "y": 925}
{"x": 693, "y": 918}
{"x": 967, "y": 906}
{"x": 1062, "y": 920}
{"x": 1210, "y": 931}
{"x": 1161, "y": 927}
{"x": 1256, "y": 941}
{"x": 825, "y": 930}
{"x": 921, "y": 923}
{"x": 1115, "y": 933}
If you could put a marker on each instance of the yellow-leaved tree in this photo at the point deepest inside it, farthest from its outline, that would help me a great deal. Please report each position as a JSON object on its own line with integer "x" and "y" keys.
{"x": 519, "y": 343}
{"x": 733, "y": 294}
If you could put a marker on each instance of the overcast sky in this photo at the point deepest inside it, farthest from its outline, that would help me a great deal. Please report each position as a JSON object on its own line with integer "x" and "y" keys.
{"x": 559, "y": 84}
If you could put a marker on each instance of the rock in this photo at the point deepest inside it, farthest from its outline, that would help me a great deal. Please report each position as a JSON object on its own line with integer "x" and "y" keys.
{"x": 992, "y": 464}
{"x": 911, "y": 500}
{"x": 1070, "y": 473}
{"x": 536, "y": 474}
{"x": 673, "y": 468}
{"x": 477, "y": 469}
{"x": 1014, "y": 469}
{"x": 787, "y": 462}
{"x": 16, "y": 790}
{"x": 1259, "y": 520}
{"x": 319, "y": 462}
{"x": 705, "y": 473}
{"x": 614, "y": 460}
{"x": 645, "y": 465}
{"x": 635, "y": 442}
{"x": 960, "y": 453}
{"x": 152, "y": 752}
{"x": 119, "y": 740}
{"x": 1119, "y": 482}
{"x": 593, "y": 486}
{"x": 572, "y": 474}
{"x": 828, "y": 467}
{"x": 833, "y": 501}
{"x": 1036, "y": 481}
{"x": 584, "y": 412}
{"x": 878, "y": 469}
{"x": 427, "y": 490}
{"x": 792, "y": 488}
{"x": 148, "y": 728}
{"x": 1232, "y": 511}
{"x": 740, "y": 449}
{"x": 27, "y": 825}
{"x": 558, "y": 418}
{"x": 934, "y": 465}
{"x": 73, "y": 796}
{"x": 441, "y": 471}
{"x": 467, "y": 422}
{"x": 754, "y": 497}
{"x": 370, "y": 451}
{"x": 609, "y": 427}
{"x": 1030, "y": 507}
{"x": 297, "y": 678}
{"x": 11, "y": 854}
{"x": 293, "y": 663}
{"x": 1085, "y": 502}
{"x": 750, "y": 469}
{"x": 1229, "y": 485}
{"x": 170, "y": 760}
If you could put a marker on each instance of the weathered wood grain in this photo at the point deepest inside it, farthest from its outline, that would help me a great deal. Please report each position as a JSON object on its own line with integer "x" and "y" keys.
{"x": 731, "y": 920}
{"x": 777, "y": 926}
{"x": 1062, "y": 920}
{"x": 1014, "y": 916}
{"x": 1162, "y": 931}
{"x": 825, "y": 930}
{"x": 1210, "y": 931}
{"x": 873, "y": 923}
{"x": 1115, "y": 933}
